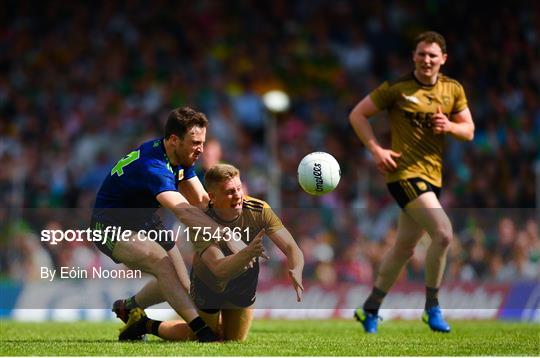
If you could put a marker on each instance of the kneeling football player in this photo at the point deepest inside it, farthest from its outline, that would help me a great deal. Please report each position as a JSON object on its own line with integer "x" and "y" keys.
{"x": 223, "y": 285}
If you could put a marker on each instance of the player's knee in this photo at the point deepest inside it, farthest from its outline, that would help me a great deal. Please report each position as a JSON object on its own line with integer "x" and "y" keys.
{"x": 153, "y": 257}
{"x": 163, "y": 266}
{"x": 405, "y": 254}
{"x": 443, "y": 236}
{"x": 408, "y": 253}
{"x": 158, "y": 258}
{"x": 241, "y": 339}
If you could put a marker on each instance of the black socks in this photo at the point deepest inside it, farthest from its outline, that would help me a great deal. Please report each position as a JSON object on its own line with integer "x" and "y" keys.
{"x": 373, "y": 302}
{"x": 432, "y": 297}
{"x": 152, "y": 327}
{"x": 202, "y": 331}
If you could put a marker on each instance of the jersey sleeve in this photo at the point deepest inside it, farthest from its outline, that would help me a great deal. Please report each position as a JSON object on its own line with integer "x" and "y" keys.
{"x": 158, "y": 178}
{"x": 189, "y": 173}
{"x": 460, "y": 102}
{"x": 271, "y": 221}
{"x": 382, "y": 96}
{"x": 185, "y": 174}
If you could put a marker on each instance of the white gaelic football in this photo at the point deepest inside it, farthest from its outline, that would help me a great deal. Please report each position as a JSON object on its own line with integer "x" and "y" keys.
{"x": 318, "y": 173}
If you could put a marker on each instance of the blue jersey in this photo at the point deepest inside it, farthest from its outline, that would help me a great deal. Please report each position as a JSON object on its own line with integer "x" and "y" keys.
{"x": 136, "y": 180}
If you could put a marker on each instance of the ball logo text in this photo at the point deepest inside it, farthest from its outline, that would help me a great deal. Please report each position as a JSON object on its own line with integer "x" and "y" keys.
{"x": 317, "y": 173}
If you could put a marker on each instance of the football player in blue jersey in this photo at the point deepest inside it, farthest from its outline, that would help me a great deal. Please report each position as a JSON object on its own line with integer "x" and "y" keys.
{"x": 223, "y": 285}
{"x": 159, "y": 173}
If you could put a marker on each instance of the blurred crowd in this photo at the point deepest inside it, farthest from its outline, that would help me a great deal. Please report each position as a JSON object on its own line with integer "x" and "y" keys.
{"x": 82, "y": 84}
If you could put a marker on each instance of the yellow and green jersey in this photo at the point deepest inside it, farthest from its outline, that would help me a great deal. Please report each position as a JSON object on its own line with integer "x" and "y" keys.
{"x": 410, "y": 105}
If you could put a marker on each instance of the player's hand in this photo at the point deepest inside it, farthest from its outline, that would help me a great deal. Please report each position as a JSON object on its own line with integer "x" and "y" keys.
{"x": 234, "y": 245}
{"x": 263, "y": 254}
{"x": 385, "y": 160}
{"x": 255, "y": 249}
{"x": 440, "y": 122}
{"x": 296, "y": 277}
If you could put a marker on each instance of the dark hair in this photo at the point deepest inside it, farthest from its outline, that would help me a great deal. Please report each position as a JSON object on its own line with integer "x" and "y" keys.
{"x": 180, "y": 120}
{"x": 431, "y": 37}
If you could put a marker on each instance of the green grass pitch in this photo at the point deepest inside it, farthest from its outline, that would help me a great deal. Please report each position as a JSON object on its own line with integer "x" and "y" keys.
{"x": 283, "y": 338}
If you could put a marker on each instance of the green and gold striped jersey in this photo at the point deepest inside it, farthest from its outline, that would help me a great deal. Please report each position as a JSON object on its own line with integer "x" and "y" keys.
{"x": 410, "y": 105}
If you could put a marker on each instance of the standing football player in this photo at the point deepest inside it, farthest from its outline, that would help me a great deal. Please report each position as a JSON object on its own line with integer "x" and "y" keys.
{"x": 423, "y": 107}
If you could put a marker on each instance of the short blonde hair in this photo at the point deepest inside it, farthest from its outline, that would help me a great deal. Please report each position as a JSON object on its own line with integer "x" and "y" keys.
{"x": 220, "y": 173}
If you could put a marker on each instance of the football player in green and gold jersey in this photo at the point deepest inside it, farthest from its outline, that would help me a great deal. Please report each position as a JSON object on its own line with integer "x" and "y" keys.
{"x": 422, "y": 107}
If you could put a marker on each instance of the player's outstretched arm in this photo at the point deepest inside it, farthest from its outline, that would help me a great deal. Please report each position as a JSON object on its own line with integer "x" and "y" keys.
{"x": 187, "y": 213}
{"x": 227, "y": 267}
{"x": 384, "y": 158}
{"x": 194, "y": 192}
{"x": 295, "y": 259}
{"x": 193, "y": 216}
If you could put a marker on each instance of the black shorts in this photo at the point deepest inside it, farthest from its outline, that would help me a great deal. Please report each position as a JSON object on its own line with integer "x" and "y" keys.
{"x": 239, "y": 292}
{"x": 406, "y": 190}
{"x": 100, "y": 221}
